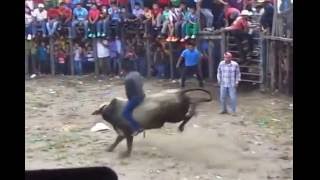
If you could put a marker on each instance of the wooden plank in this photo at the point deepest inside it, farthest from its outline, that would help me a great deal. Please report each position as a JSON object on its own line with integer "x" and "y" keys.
{"x": 71, "y": 57}
{"x": 26, "y": 57}
{"x": 272, "y": 66}
{"x": 95, "y": 55}
{"x": 210, "y": 59}
{"x": 288, "y": 70}
{"x": 279, "y": 61}
{"x": 171, "y": 60}
{"x": 279, "y": 38}
{"x": 223, "y": 44}
{"x": 52, "y": 63}
{"x": 149, "y": 58}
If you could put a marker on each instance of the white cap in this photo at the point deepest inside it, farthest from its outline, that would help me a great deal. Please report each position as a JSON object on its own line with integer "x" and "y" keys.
{"x": 40, "y": 5}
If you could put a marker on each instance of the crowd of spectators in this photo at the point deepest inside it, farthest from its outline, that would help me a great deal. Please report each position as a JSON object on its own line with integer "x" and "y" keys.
{"x": 108, "y": 20}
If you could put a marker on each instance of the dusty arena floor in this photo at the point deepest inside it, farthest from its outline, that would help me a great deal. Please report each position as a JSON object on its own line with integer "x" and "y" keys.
{"x": 255, "y": 145}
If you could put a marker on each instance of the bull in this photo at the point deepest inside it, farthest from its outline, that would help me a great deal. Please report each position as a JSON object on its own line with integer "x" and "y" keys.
{"x": 170, "y": 106}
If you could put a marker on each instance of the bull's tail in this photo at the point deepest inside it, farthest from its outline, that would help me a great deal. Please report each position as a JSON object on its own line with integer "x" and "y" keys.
{"x": 183, "y": 92}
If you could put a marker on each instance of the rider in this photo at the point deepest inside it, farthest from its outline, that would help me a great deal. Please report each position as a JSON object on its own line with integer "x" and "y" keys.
{"x": 135, "y": 94}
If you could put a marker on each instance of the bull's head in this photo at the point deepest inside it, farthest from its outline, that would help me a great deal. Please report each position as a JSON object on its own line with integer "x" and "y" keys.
{"x": 100, "y": 110}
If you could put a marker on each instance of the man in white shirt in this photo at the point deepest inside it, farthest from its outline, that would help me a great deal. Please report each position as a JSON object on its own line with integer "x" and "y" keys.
{"x": 40, "y": 15}
{"x": 30, "y": 4}
{"x": 103, "y": 55}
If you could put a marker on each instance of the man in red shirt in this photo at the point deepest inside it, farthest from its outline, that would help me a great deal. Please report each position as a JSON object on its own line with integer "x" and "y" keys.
{"x": 65, "y": 16}
{"x": 93, "y": 18}
{"x": 53, "y": 15}
{"x": 231, "y": 14}
{"x": 240, "y": 29}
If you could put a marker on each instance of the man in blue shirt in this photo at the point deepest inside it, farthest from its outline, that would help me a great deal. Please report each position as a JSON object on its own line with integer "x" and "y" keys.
{"x": 80, "y": 16}
{"x": 191, "y": 63}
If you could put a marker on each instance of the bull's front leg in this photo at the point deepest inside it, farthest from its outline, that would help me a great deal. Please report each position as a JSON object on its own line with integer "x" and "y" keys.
{"x": 114, "y": 145}
{"x": 129, "y": 146}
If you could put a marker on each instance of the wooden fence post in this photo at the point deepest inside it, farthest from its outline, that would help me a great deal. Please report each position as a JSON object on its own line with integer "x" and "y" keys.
{"x": 171, "y": 61}
{"x": 26, "y": 57}
{"x": 71, "y": 57}
{"x": 95, "y": 55}
{"x": 149, "y": 59}
{"x": 210, "y": 59}
{"x": 52, "y": 63}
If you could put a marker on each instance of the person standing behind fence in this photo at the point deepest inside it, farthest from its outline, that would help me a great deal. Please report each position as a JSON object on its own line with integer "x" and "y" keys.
{"x": 77, "y": 56}
{"x": 42, "y": 53}
{"x": 228, "y": 77}
{"x": 191, "y": 63}
{"x": 61, "y": 64}
{"x": 103, "y": 57}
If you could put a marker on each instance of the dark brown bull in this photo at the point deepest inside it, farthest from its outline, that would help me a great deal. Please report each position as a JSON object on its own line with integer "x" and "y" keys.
{"x": 172, "y": 107}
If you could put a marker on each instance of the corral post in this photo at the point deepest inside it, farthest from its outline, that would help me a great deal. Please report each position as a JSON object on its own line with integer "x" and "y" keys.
{"x": 52, "y": 63}
{"x": 71, "y": 57}
{"x": 210, "y": 60}
{"x": 171, "y": 61}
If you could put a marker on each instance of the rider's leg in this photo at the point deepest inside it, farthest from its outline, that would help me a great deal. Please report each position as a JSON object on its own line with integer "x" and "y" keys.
{"x": 128, "y": 110}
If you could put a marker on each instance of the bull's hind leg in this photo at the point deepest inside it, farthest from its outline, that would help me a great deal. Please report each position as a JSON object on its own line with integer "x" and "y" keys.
{"x": 184, "y": 122}
{"x": 114, "y": 145}
{"x": 190, "y": 113}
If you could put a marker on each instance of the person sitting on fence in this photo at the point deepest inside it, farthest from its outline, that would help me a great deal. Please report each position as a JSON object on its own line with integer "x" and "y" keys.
{"x": 267, "y": 16}
{"x": 65, "y": 14}
{"x": 156, "y": 16}
{"x": 147, "y": 21}
{"x": 138, "y": 13}
{"x": 167, "y": 23}
{"x": 53, "y": 20}
{"x": 80, "y": 17}
{"x": 240, "y": 30}
{"x": 103, "y": 22}
{"x": 40, "y": 15}
{"x": 231, "y": 14}
{"x": 192, "y": 25}
{"x": 94, "y": 14}
{"x": 28, "y": 22}
{"x": 115, "y": 19}
{"x": 206, "y": 9}
{"x": 180, "y": 23}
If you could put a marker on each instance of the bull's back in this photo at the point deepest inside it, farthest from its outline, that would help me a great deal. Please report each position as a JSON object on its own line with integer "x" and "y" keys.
{"x": 156, "y": 109}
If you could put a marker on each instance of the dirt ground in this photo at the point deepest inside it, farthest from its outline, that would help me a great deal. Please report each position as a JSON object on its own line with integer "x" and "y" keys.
{"x": 255, "y": 145}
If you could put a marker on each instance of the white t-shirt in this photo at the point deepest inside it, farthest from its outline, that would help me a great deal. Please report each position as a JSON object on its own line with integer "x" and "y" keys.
{"x": 102, "y": 50}
{"x": 40, "y": 16}
{"x": 27, "y": 19}
{"x": 77, "y": 54}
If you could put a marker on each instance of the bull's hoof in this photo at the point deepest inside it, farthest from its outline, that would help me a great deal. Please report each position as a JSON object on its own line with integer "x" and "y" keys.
{"x": 181, "y": 128}
{"x": 125, "y": 154}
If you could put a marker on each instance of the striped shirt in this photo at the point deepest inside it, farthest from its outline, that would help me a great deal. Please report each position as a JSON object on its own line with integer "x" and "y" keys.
{"x": 228, "y": 74}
